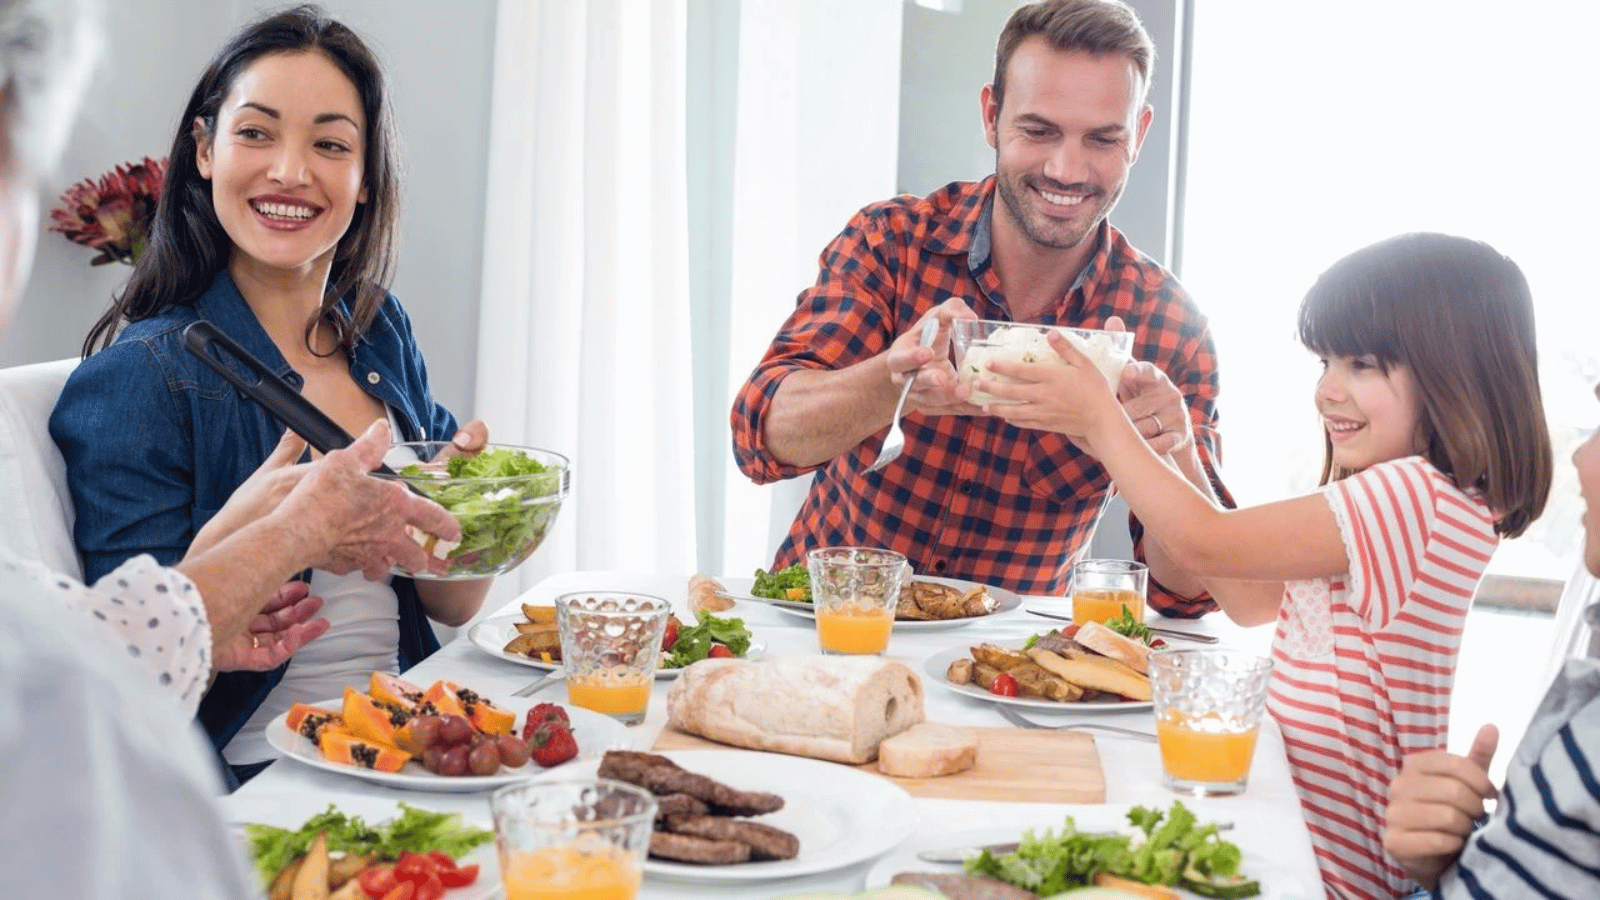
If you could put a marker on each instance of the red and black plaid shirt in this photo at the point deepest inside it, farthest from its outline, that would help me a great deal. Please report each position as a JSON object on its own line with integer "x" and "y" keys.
{"x": 971, "y": 496}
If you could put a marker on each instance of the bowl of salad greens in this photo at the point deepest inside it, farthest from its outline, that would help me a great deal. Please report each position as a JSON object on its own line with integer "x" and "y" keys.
{"x": 505, "y": 497}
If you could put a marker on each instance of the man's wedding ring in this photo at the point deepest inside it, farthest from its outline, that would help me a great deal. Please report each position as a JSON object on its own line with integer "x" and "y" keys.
{"x": 255, "y": 641}
{"x": 1156, "y": 419}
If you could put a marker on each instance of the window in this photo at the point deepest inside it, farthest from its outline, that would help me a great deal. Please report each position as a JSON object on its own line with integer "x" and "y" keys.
{"x": 1315, "y": 129}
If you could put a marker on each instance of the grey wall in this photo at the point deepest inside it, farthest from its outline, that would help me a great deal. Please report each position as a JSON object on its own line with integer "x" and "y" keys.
{"x": 439, "y": 58}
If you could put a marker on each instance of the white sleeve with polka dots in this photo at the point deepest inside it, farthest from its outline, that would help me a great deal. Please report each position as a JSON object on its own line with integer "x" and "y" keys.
{"x": 151, "y": 612}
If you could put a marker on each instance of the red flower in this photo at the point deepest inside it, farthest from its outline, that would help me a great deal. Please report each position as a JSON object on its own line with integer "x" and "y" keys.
{"x": 114, "y": 214}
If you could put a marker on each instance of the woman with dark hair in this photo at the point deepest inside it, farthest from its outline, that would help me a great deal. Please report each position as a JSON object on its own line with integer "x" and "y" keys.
{"x": 276, "y": 224}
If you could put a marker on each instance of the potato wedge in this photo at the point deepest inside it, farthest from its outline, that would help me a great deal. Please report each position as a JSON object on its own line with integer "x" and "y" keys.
{"x": 283, "y": 886}
{"x": 536, "y": 628}
{"x": 350, "y": 890}
{"x": 543, "y": 615}
{"x": 983, "y": 675}
{"x": 1002, "y": 658}
{"x": 1101, "y": 659}
{"x": 342, "y": 869}
{"x": 960, "y": 671}
{"x": 311, "y": 882}
{"x": 1099, "y": 673}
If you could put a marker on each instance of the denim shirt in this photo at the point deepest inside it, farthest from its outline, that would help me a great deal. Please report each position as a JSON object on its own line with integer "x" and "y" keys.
{"x": 155, "y": 442}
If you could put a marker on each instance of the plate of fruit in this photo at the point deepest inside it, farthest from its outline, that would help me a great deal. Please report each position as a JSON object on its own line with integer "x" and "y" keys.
{"x": 444, "y": 738}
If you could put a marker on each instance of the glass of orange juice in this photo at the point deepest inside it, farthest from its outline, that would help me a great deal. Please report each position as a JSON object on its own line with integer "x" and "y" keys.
{"x": 1103, "y": 588}
{"x": 581, "y": 839}
{"x": 1208, "y": 706}
{"x": 610, "y": 647}
{"x": 854, "y": 591}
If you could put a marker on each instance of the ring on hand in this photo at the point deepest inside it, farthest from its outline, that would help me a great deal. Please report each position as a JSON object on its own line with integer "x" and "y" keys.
{"x": 1156, "y": 419}
{"x": 255, "y": 642}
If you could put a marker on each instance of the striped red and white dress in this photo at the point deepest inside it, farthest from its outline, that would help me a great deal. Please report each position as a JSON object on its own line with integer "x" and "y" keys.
{"x": 1363, "y": 663}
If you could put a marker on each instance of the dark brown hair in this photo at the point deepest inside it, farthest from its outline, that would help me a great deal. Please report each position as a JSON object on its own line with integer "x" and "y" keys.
{"x": 188, "y": 245}
{"x": 1459, "y": 316}
{"x": 1093, "y": 26}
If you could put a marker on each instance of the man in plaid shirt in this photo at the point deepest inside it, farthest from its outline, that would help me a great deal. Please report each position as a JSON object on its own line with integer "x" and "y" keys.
{"x": 971, "y": 496}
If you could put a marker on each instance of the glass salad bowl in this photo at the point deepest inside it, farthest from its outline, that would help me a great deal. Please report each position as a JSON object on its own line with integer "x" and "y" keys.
{"x": 506, "y": 498}
{"x": 978, "y": 342}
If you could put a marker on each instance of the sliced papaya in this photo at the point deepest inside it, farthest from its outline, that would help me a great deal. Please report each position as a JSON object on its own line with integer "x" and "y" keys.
{"x": 395, "y": 690}
{"x": 484, "y": 714}
{"x": 309, "y": 721}
{"x": 371, "y": 719}
{"x": 353, "y": 750}
{"x": 441, "y": 697}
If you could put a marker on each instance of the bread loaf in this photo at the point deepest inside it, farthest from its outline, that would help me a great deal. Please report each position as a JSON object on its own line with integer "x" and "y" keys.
{"x": 707, "y": 593}
{"x": 837, "y": 708}
{"x": 927, "y": 750}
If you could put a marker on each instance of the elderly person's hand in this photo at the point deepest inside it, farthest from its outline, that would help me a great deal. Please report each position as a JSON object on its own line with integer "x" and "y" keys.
{"x": 283, "y": 626}
{"x": 358, "y": 522}
{"x": 937, "y": 391}
{"x": 1433, "y": 804}
{"x": 258, "y": 496}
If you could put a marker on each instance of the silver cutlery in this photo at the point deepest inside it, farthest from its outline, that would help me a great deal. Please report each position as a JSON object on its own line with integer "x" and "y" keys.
{"x": 895, "y": 440}
{"x": 1164, "y": 632}
{"x": 1018, "y": 720}
{"x": 540, "y": 685}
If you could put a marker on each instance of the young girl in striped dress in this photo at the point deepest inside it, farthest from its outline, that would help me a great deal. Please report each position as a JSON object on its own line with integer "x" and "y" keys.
{"x": 1436, "y": 446}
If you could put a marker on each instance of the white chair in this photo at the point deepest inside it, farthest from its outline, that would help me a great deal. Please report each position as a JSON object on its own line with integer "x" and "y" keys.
{"x": 35, "y": 508}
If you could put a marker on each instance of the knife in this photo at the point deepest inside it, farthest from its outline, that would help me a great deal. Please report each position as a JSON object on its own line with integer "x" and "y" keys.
{"x": 1164, "y": 632}
{"x": 797, "y": 605}
{"x": 962, "y": 854}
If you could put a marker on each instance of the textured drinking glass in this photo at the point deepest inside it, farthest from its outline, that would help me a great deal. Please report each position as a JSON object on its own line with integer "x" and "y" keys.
{"x": 854, "y": 591}
{"x": 1103, "y": 588}
{"x": 1208, "y": 706}
{"x": 610, "y": 647}
{"x": 560, "y": 840}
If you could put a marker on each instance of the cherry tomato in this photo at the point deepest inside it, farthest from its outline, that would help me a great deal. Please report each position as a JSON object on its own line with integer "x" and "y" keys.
{"x": 1070, "y": 631}
{"x": 1157, "y": 644}
{"x": 442, "y": 861}
{"x": 430, "y": 888}
{"x": 459, "y": 876}
{"x": 414, "y": 867}
{"x": 405, "y": 890}
{"x": 376, "y": 881}
{"x": 1004, "y": 685}
{"x": 670, "y": 635}
{"x": 719, "y": 650}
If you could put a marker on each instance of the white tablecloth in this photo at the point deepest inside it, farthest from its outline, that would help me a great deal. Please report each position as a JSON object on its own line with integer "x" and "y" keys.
{"x": 1267, "y": 821}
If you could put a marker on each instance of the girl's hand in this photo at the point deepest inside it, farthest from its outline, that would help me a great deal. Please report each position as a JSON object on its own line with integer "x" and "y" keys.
{"x": 282, "y": 627}
{"x": 1072, "y": 399}
{"x": 1156, "y": 407}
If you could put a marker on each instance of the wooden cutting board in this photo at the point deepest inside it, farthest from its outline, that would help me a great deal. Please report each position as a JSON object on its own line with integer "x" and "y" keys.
{"x": 1013, "y": 764}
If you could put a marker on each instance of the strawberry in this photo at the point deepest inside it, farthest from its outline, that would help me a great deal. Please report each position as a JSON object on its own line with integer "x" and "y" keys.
{"x": 542, "y": 713}
{"x": 552, "y": 744}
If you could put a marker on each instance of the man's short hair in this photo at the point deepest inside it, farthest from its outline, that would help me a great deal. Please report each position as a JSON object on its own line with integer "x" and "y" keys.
{"x": 46, "y": 52}
{"x": 1092, "y": 26}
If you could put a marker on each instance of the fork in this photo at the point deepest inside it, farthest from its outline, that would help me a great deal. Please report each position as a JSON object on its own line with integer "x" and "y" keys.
{"x": 895, "y": 440}
{"x": 1017, "y": 719}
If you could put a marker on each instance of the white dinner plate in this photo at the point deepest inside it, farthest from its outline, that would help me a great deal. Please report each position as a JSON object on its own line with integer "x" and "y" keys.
{"x": 1277, "y": 883}
{"x": 937, "y": 664}
{"x": 1005, "y": 601}
{"x": 841, "y": 814}
{"x": 492, "y": 635}
{"x": 291, "y": 810}
{"x": 595, "y": 733}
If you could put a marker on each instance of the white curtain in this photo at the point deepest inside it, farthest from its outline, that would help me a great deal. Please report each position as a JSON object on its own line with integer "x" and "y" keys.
{"x": 583, "y": 342}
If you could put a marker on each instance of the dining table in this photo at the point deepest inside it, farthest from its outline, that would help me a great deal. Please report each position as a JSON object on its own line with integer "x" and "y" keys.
{"x": 1264, "y": 820}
